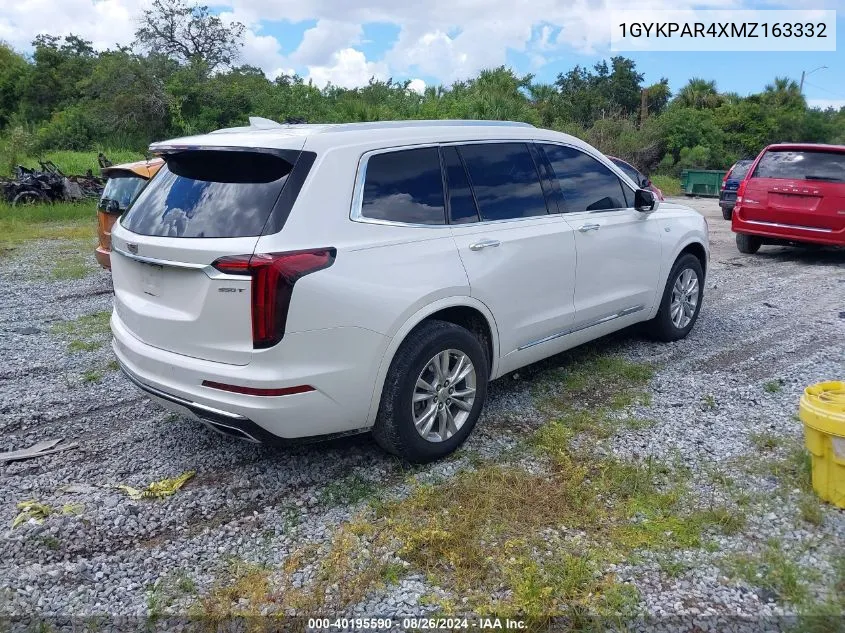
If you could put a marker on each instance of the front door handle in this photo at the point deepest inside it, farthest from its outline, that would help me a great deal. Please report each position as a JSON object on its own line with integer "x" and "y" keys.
{"x": 477, "y": 246}
{"x": 584, "y": 228}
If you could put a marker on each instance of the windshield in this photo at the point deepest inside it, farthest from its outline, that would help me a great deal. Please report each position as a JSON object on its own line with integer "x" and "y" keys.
{"x": 211, "y": 193}
{"x": 802, "y": 165}
{"x": 123, "y": 190}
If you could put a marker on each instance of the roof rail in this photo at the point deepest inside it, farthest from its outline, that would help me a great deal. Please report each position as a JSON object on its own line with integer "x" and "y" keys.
{"x": 261, "y": 123}
{"x": 424, "y": 123}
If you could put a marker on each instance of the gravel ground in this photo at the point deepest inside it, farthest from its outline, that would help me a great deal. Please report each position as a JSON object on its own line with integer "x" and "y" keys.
{"x": 777, "y": 316}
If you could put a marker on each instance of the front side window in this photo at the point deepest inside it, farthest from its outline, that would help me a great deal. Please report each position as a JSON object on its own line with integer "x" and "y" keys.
{"x": 404, "y": 186}
{"x": 504, "y": 179}
{"x": 586, "y": 184}
{"x": 629, "y": 171}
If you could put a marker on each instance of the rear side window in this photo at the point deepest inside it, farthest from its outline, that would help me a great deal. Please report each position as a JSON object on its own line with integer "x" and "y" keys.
{"x": 404, "y": 186}
{"x": 462, "y": 207}
{"x": 211, "y": 193}
{"x": 802, "y": 165}
{"x": 504, "y": 179}
{"x": 585, "y": 183}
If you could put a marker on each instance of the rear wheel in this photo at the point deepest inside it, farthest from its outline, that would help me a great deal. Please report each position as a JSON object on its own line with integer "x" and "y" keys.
{"x": 30, "y": 196}
{"x": 748, "y": 244}
{"x": 681, "y": 301}
{"x": 727, "y": 213}
{"x": 433, "y": 394}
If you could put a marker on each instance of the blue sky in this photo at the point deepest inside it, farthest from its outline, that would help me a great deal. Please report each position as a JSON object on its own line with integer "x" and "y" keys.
{"x": 438, "y": 41}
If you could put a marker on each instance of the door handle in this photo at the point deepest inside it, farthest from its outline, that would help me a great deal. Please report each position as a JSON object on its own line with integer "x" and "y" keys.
{"x": 477, "y": 246}
{"x": 584, "y": 228}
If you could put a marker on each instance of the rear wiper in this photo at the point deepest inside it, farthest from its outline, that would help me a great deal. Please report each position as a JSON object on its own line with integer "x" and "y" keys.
{"x": 830, "y": 178}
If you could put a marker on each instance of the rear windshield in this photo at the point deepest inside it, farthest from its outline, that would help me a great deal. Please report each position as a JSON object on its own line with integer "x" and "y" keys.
{"x": 741, "y": 169}
{"x": 802, "y": 165}
{"x": 123, "y": 190}
{"x": 211, "y": 193}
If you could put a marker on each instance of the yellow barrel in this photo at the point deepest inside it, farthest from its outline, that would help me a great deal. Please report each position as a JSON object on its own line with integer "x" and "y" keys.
{"x": 822, "y": 410}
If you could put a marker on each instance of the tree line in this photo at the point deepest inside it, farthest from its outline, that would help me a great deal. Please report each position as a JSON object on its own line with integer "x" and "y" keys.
{"x": 181, "y": 77}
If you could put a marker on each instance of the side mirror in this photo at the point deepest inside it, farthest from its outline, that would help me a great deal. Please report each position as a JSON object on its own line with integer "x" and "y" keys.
{"x": 644, "y": 201}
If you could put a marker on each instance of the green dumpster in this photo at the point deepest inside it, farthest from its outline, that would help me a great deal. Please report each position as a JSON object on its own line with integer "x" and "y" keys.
{"x": 702, "y": 182}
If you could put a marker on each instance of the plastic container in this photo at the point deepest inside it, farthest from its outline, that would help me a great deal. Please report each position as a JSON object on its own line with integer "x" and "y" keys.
{"x": 822, "y": 410}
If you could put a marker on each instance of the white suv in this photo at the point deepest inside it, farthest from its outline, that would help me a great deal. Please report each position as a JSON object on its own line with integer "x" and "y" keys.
{"x": 283, "y": 282}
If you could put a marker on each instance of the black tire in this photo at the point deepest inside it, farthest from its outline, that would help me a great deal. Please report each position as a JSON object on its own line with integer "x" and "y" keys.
{"x": 727, "y": 213}
{"x": 394, "y": 428}
{"x": 29, "y": 197}
{"x": 661, "y": 327}
{"x": 748, "y": 244}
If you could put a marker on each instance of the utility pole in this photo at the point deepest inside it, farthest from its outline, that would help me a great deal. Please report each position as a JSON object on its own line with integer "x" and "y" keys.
{"x": 643, "y": 106}
{"x": 805, "y": 74}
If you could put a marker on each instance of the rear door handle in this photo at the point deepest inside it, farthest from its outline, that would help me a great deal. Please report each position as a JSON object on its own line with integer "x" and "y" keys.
{"x": 584, "y": 228}
{"x": 477, "y": 246}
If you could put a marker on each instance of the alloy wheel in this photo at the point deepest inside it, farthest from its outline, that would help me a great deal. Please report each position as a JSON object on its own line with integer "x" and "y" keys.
{"x": 443, "y": 395}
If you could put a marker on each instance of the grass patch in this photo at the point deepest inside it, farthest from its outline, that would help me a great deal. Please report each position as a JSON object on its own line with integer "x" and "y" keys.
{"x": 84, "y": 326}
{"x": 348, "y": 491}
{"x": 166, "y": 591}
{"x": 92, "y": 375}
{"x": 243, "y": 593}
{"x": 773, "y": 571}
{"x": 670, "y": 185}
{"x": 708, "y": 403}
{"x": 73, "y": 263}
{"x": 810, "y": 509}
{"x": 83, "y": 346}
{"x": 63, "y": 220}
{"x": 773, "y": 386}
{"x": 765, "y": 441}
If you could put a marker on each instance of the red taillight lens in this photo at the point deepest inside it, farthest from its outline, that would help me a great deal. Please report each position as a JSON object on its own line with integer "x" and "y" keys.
{"x": 273, "y": 277}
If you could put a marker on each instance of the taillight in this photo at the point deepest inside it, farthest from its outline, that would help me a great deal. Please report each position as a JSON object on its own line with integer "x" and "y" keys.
{"x": 740, "y": 191}
{"x": 273, "y": 277}
{"x": 725, "y": 179}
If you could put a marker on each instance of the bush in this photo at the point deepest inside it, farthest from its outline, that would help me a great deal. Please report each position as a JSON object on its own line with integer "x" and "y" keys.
{"x": 15, "y": 144}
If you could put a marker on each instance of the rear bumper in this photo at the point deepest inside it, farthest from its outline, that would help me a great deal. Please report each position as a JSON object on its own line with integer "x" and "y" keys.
{"x": 340, "y": 364}
{"x": 786, "y": 232}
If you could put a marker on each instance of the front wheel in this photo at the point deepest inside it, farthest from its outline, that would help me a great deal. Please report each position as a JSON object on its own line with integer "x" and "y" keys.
{"x": 433, "y": 394}
{"x": 681, "y": 300}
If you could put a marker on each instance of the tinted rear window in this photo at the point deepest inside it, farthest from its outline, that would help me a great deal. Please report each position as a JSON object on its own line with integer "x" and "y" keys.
{"x": 802, "y": 165}
{"x": 211, "y": 193}
{"x": 405, "y": 186}
{"x": 741, "y": 169}
{"x": 123, "y": 190}
{"x": 505, "y": 180}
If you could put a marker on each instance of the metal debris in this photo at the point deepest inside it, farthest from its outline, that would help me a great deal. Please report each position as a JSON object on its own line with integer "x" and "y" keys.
{"x": 39, "y": 449}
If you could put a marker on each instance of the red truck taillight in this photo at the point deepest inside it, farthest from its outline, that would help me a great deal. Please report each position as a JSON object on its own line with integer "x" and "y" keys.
{"x": 273, "y": 277}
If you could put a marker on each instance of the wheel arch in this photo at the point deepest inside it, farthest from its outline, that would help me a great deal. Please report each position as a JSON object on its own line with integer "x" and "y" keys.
{"x": 465, "y": 311}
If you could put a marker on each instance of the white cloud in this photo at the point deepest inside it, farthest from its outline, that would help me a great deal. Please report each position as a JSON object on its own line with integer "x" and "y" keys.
{"x": 444, "y": 39}
{"x": 348, "y": 68}
{"x": 824, "y": 104}
{"x": 321, "y": 41}
{"x": 417, "y": 85}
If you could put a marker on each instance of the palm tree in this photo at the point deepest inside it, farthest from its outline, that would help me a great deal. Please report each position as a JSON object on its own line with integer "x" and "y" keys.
{"x": 784, "y": 92}
{"x": 699, "y": 93}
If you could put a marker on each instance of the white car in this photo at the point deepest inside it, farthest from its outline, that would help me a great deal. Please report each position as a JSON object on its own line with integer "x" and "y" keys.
{"x": 282, "y": 282}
